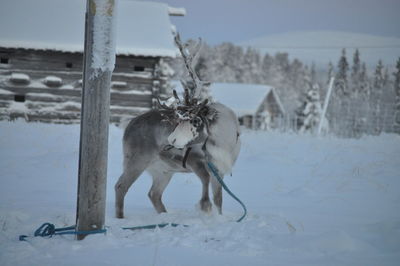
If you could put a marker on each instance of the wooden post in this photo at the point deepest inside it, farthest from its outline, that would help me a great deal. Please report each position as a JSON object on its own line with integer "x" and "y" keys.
{"x": 99, "y": 60}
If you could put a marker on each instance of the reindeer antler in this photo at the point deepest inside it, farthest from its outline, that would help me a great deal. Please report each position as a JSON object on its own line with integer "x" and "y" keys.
{"x": 191, "y": 105}
{"x": 190, "y": 59}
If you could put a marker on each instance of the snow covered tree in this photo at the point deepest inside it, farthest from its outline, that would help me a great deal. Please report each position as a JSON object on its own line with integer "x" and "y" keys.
{"x": 341, "y": 83}
{"x": 312, "y": 111}
{"x": 360, "y": 103}
{"x": 339, "y": 107}
{"x": 295, "y": 77}
{"x": 251, "y": 66}
{"x": 355, "y": 73}
{"x": 266, "y": 68}
{"x": 309, "y": 113}
{"x": 201, "y": 68}
{"x": 364, "y": 87}
{"x": 288, "y": 78}
{"x": 282, "y": 61}
{"x": 281, "y": 69}
{"x": 313, "y": 74}
{"x": 375, "y": 98}
{"x": 277, "y": 76}
{"x": 396, "y": 86}
{"x": 386, "y": 77}
{"x": 378, "y": 77}
{"x": 358, "y": 94}
{"x": 225, "y": 61}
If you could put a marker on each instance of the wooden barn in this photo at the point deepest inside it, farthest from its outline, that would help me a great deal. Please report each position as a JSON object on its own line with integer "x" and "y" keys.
{"x": 257, "y": 106}
{"x": 41, "y": 53}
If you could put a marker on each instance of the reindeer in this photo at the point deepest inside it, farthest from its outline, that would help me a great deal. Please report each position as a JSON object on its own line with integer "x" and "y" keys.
{"x": 180, "y": 137}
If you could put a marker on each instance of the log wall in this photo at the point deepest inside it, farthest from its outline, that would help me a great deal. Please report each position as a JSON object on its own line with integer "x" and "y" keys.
{"x": 135, "y": 86}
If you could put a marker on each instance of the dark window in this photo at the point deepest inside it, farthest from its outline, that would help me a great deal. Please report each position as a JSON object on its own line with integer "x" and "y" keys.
{"x": 3, "y": 60}
{"x": 19, "y": 98}
{"x": 139, "y": 68}
{"x": 68, "y": 65}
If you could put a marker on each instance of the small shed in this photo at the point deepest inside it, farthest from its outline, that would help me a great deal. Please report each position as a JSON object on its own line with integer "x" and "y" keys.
{"x": 257, "y": 106}
{"x": 41, "y": 58}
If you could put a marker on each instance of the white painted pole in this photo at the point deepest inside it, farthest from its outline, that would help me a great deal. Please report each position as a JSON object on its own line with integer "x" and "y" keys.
{"x": 99, "y": 60}
{"x": 326, "y": 102}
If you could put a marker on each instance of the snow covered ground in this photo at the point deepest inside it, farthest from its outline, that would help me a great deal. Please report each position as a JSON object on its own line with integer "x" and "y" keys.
{"x": 311, "y": 201}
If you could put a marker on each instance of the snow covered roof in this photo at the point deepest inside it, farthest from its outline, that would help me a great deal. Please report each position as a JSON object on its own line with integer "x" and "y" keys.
{"x": 244, "y": 99}
{"x": 143, "y": 28}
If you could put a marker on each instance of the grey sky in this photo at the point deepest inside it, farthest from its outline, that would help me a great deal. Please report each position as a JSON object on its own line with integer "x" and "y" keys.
{"x": 240, "y": 20}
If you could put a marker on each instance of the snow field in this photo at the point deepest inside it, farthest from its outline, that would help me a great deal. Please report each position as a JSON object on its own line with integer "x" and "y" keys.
{"x": 311, "y": 201}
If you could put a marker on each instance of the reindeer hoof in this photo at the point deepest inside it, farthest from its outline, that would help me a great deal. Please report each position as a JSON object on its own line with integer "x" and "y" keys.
{"x": 119, "y": 215}
{"x": 162, "y": 211}
{"x": 205, "y": 206}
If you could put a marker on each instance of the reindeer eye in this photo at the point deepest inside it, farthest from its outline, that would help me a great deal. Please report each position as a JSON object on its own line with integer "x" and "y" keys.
{"x": 196, "y": 122}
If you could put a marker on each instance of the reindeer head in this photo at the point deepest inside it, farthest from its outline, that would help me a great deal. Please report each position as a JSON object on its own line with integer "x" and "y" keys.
{"x": 192, "y": 114}
{"x": 191, "y": 125}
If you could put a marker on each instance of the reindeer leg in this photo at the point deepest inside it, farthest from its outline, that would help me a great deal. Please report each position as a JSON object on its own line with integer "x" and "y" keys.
{"x": 217, "y": 194}
{"x": 133, "y": 168}
{"x": 200, "y": 170}
{"x": 160, "y": 182}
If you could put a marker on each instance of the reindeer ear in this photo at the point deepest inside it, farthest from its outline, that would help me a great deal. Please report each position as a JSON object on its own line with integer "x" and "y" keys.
{"x": 176, "y": 96}
{"x": 211, "y": 114}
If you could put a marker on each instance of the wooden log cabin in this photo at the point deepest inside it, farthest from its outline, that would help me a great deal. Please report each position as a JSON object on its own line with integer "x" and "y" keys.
{"x": 41, "y": 53}
{"x": 257, "y": 106}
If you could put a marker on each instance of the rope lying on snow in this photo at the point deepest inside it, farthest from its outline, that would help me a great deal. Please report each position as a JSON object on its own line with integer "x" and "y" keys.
{"x": 153, "y": 226}
{"x": 49, "y": 230}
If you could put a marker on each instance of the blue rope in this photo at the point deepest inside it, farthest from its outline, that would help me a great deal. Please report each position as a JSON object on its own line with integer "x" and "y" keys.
{"x": 214, "y": 170}
{"x": 153, "y": 226}
{"x": 48, "y": 229}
